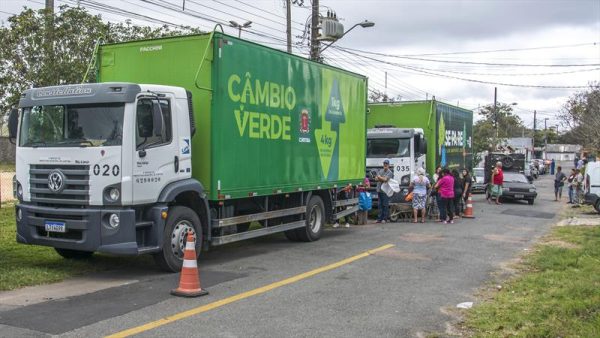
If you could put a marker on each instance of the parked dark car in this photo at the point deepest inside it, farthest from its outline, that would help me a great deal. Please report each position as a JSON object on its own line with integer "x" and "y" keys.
{"x": 478, "y": 184}
{"x": 517, "y": 187}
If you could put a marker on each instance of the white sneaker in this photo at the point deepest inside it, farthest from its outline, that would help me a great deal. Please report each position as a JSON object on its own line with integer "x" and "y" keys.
{"x": 347, "y": 225}
{"x": 336, "y": 225}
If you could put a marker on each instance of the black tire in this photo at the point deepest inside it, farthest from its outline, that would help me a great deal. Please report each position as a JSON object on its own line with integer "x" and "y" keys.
{"x": 315, "y": 220}
{"x": 530, "y": 202}
{"x": 74, "y": 254}
{"x": 180, "y": 221}
{"x": 291, "y": 235}
{"x": 597, "y": 206}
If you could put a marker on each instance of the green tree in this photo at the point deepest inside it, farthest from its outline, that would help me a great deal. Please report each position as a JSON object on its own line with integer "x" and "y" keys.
{"x": 39, "y": 49}
{"x": 581, "y": 115}
{"x": 485, "y": 133}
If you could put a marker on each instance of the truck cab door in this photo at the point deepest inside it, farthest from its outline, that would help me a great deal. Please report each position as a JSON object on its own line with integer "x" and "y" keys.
{"x": 155, "y": 156}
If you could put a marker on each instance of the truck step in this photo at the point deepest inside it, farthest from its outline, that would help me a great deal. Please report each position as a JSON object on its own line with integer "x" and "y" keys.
{"x": 220, "y": 240}
{"x": 148, "y": 249}
{"x": 346, "y": 212}
{"x": 144, "y": 224}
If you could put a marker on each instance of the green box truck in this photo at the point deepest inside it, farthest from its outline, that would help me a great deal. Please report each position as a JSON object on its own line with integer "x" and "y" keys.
{"x": 207, "y": 134}
{"x": 416, "y": 134}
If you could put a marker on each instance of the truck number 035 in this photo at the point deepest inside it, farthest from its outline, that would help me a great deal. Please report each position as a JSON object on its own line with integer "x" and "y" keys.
{"x": 402, "y": 168}
{"x": 105, "y": 170}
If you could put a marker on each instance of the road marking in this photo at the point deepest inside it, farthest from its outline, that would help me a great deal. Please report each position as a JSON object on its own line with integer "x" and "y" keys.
{"x": 247, "y": 294}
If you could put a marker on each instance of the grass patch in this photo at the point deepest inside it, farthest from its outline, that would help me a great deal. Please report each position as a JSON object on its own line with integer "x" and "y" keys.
{"x": 7, "y": 167}
{"x": 23, "y": 265}
{"x": 556, "y": 294}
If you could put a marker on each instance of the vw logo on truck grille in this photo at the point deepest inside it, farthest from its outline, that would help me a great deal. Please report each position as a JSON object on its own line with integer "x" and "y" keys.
{"x": 56, "y": 181}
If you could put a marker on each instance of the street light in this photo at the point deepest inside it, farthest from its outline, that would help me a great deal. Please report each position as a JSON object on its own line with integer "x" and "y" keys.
{"x": 364, "y": 24}
{"x": 238, "y": 26}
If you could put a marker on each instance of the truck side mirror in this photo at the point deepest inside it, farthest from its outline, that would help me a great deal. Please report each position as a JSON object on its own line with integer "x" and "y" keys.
{"x": 13, "y": 124}
{"x": 157, "y": 118}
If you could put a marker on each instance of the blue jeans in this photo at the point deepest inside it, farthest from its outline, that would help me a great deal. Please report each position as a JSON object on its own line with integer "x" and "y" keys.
{"x": 441, "y": 207}
{"x": 384, "y": 206}
{"x": 571, "y": 194}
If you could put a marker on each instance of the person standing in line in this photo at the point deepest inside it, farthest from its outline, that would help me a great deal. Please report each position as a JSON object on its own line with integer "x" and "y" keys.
{"x": 559, "y": 182}
{"x": 552, "y": 166}
{"x": 497, "y": 182}
{"x": 467, "y": 181}
{"x": 571, "y": 185}
{"x": 383, "y": 175}
{"x": 420, "y": 184}
{"x": 458, "y": 191}
{"x": 435, "y": 196}
{"x": 445, "y": 186}
{"x": 578, "y": 187}
{"x": 575, "y": 161}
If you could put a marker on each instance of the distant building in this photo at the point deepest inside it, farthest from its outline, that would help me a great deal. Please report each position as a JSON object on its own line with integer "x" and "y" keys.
{"x": 562, "y": 152}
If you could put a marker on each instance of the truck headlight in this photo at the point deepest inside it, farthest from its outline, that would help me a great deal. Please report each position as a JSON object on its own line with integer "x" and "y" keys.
{"x": 114, "y": 194}
{"x": 505, "y": 189}
{"x": 114, "y": 220}
{"x": 532, "y": 190}
{"x": 405, "y": 180}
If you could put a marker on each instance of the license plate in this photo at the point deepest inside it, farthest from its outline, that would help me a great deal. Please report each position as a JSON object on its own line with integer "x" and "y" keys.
{"x": 519, "y": 196}
{"x": 55, "y": 226}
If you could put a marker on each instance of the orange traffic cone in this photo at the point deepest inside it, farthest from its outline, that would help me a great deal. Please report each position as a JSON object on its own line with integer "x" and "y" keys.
{"x": 469, "y": 209}
{"x": 189, "y": 282}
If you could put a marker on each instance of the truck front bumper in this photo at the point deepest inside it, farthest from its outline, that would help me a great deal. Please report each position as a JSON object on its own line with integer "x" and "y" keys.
{"x": 84, "y": 229}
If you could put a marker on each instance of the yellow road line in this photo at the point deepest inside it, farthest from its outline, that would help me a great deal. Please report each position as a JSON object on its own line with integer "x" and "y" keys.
{"x": 247, "y": 294}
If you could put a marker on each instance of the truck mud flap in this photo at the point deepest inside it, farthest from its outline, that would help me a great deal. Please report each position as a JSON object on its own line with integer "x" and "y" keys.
{"x": 220, "y": 240}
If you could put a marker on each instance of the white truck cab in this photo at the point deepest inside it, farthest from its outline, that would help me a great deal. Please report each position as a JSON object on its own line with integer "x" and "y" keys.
{"x": 592, "y": 185}
{"x": 95, "y": 162}
{"x": 405, "y": 148}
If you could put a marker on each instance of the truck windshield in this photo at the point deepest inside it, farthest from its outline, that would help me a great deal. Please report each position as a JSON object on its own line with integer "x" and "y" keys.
{"x": 79, "y": 125}
{"x": 388, "y": 147}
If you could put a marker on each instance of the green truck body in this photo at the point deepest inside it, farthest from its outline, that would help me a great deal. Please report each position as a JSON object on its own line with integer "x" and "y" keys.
{"x": 448, "y": 129}
{"x": 266, "y": 121}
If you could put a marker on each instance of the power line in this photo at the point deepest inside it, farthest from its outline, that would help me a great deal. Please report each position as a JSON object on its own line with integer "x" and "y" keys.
{"x": 506, "y": 50}
{"x": 469, "y": 62}
{"x": 430, "y": 73}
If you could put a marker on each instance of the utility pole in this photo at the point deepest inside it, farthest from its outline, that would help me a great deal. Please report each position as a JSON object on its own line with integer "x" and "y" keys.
{"x": 496, "y": 113}
{"x": 385, "y": 84}
{"x": 288, "y": 5}
{"x": 49, "y": 45}
{"x": 314, "y": 32}
{"x": 534, "y": 125}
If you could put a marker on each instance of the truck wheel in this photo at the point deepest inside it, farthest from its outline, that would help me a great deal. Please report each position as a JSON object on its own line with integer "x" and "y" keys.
{"x": 291, "y": 235}
{"x": 597, "y": 206}
{"x": 74, "y": 254}
{"x": 315, "y": 217}
{"x": 180, "y": 221}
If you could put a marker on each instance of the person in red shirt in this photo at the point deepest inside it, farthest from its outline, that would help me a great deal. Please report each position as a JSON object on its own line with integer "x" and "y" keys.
{"x": 445, "y": 187}
{"x": 497, "y": 182}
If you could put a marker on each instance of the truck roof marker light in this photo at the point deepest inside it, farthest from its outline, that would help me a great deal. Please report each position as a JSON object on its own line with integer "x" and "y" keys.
{"x": 299, "y": 189}
{"x": 227, "y": 197}
{"x": 318, "y": 187}
{"x": 277, "y": 191}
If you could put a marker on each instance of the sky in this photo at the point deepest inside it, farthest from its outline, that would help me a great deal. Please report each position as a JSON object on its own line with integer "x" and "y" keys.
{"x": 536, "y": 53}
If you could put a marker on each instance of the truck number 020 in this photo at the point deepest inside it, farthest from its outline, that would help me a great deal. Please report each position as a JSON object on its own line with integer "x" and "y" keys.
{"x": 105, "y": 170}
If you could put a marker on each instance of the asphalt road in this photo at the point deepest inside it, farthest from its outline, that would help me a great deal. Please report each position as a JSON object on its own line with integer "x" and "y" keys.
{"x": 403, "y": 291}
